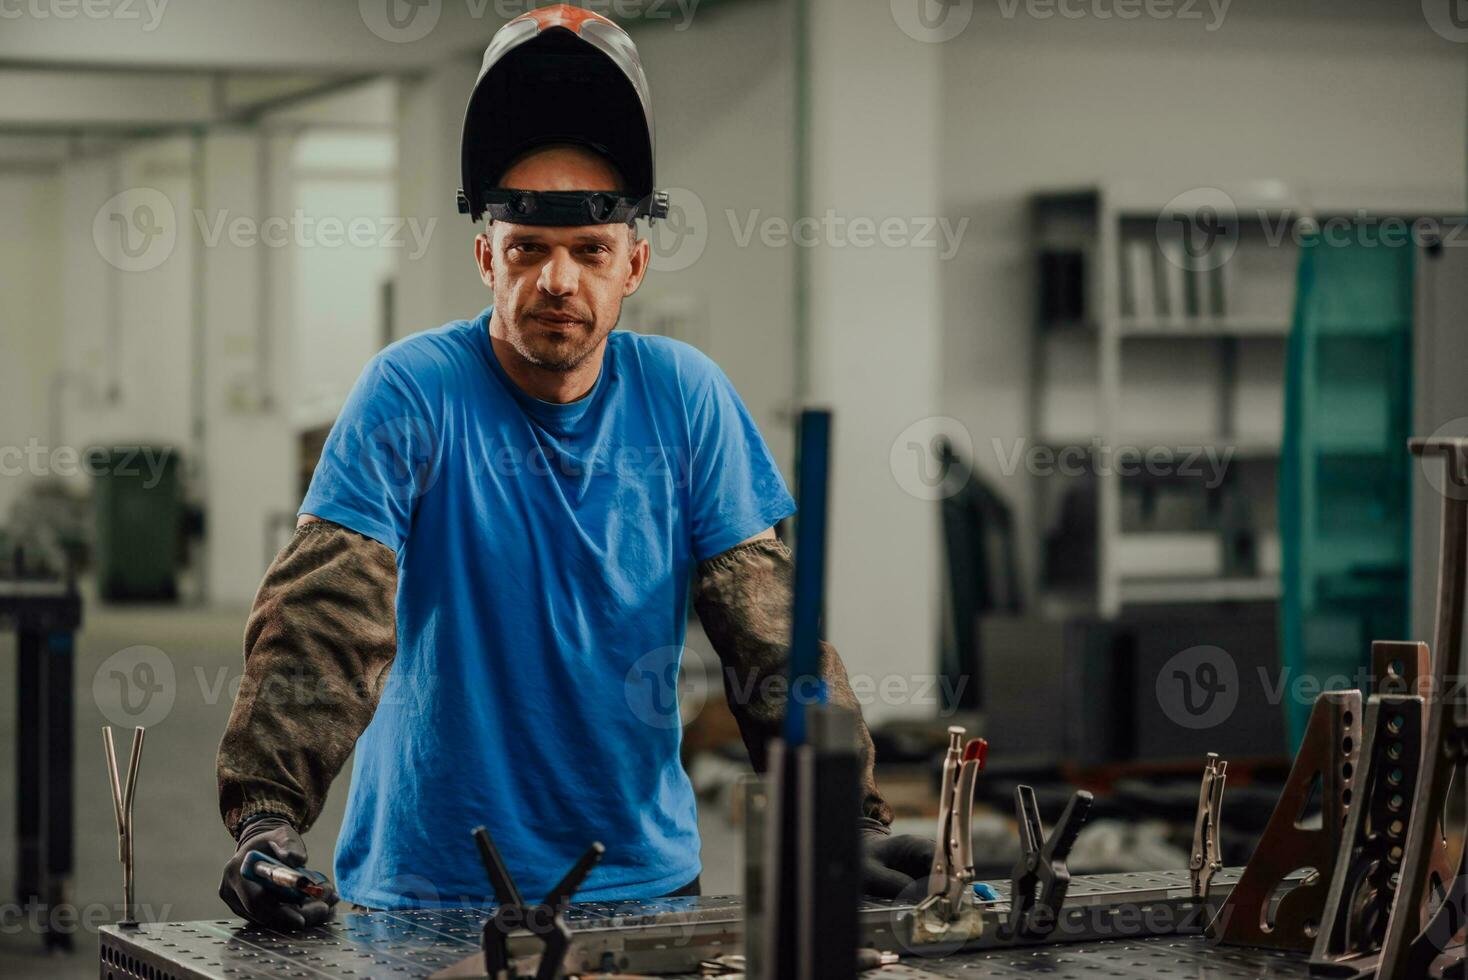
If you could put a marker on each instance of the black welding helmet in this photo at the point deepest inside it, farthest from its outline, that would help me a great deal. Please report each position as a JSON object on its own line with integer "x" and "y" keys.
{"x": 559, "y": 74}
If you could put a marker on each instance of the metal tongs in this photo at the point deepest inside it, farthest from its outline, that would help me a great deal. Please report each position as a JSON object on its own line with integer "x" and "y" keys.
{"x": 122, "y": 809}
{"x": 949, "y": 890}
{"x": 1207, "y": 859}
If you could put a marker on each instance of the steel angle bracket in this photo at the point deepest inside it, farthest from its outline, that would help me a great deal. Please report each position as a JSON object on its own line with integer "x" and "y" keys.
{"x": 1411, "y": 946}
{"x": 1328, "y": 756}
{"x": 1364, "y": 886}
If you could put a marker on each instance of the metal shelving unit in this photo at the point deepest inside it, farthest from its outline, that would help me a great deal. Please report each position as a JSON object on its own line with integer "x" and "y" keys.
{"x": 1216, "y": 375}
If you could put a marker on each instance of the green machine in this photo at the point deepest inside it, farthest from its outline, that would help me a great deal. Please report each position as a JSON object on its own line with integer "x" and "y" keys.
{"x": 1345, "y": 500}
{"x": 139, "y": 521}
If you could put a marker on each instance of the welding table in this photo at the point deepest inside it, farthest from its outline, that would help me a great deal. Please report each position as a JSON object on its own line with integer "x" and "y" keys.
{"x": 45, "y": 615}
{"x": 416, "y": 944}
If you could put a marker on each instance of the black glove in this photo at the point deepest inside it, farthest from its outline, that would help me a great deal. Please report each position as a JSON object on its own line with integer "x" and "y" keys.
{"x": 274, "y": 837}
{"x": 891, "y": 863}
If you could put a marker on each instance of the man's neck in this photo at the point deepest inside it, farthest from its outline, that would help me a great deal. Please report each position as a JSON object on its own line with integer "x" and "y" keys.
{"x": 559, "y": 387}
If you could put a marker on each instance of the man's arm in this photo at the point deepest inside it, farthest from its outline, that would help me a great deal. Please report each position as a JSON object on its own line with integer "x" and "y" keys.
{"x": 318, "y": 646}
{"x": 743, "y": 599}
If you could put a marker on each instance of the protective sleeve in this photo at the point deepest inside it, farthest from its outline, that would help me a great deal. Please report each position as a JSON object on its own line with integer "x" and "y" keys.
{"x": 318, "y": 645}
{"x": 742, "y": 597}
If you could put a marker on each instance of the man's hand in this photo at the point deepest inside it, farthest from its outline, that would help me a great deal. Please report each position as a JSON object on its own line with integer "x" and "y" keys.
{"x": 274, "y": 837}
{"x": 890, "y": 863}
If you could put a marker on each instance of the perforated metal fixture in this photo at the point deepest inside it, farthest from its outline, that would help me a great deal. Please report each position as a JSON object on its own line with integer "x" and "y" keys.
{"x": 417, "y": 944}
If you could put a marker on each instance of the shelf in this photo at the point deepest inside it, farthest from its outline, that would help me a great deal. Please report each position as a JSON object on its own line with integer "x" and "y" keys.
{"x": 1204, "y": 327}
{"x": 1131, "y": 445}
{"x": 1154, "y": 591}
{"x": 1185, "y": 328}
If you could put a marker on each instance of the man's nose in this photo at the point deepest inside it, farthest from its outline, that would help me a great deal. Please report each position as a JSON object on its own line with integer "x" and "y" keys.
{"x": 559, "y": 276}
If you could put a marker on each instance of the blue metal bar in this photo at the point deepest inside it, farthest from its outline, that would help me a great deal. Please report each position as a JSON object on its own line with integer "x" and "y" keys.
{"x": 810, "y": 570}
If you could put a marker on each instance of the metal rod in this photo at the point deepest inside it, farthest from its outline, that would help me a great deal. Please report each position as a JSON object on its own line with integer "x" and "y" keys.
{"x": 810, "y": 570}
{"x": 122, "y": 811}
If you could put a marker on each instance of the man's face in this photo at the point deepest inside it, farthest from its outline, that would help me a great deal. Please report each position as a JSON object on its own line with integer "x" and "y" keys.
{"x": 558, "y": 291}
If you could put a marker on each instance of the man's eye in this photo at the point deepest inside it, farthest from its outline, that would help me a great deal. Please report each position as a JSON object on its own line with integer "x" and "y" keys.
{"x": 595, "y": 250}
{"x": 524, "y": 248}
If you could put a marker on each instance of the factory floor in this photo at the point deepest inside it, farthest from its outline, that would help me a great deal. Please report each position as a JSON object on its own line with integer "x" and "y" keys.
{"x": 181, "y": 845}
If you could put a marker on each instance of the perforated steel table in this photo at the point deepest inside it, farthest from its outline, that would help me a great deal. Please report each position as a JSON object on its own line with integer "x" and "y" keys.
{"x": 419, "y": 943}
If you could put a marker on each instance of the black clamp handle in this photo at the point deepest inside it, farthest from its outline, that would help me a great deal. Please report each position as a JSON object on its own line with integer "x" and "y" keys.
{"x": 1040, "y": 878}
{"x": 545, "y": 921}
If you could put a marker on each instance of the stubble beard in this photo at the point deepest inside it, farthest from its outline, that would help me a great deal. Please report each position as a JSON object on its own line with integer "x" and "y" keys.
{"x": 561, "y": 356}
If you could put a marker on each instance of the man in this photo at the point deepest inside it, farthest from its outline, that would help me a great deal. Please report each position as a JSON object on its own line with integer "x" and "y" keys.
{"x": 498, "y": 544}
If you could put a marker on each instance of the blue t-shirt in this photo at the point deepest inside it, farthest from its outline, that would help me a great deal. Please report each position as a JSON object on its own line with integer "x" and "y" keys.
{"x": 544, "y": 557}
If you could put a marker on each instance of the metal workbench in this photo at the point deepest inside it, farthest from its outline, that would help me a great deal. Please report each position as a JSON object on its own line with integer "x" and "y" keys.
{"x": 44, "y": 614}
{"x": 416, "y": 944}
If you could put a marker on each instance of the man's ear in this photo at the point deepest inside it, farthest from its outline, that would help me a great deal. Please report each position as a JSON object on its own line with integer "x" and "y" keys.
{"x": 484, "y": 257}
{"x": 641, "y": 256}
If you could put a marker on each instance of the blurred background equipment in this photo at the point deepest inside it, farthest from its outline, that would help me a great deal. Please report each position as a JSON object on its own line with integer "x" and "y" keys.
{"x": 140, "y": 523}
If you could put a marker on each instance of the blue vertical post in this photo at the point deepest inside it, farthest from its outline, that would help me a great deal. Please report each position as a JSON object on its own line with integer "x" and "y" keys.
{"x": 814, "y": 451}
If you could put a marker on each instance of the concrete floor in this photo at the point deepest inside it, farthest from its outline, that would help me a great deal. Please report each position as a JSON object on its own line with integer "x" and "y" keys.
{"x": 181, "y": 845}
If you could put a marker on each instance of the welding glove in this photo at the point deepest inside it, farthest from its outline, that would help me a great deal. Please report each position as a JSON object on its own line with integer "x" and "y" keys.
{"x": 892, "y": 862}
{"x": 274, "y": 837}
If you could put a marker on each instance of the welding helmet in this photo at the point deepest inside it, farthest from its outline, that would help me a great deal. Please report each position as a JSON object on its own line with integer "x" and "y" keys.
{"x": 559, "y": 74}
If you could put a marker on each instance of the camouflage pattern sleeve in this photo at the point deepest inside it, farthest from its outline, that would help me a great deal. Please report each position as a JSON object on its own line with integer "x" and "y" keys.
{"x": 318, "y": 645}
{"x": 743, "y": 600}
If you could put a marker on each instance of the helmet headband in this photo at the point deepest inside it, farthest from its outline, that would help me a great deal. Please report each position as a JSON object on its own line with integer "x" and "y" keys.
{"x": 570, "y": 208}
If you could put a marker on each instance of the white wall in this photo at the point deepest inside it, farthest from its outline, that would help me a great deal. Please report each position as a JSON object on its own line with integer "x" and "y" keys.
{"x": 1354, "y": 94}
{"x": 30, "y": 315}
{"x": 285, "y": 325}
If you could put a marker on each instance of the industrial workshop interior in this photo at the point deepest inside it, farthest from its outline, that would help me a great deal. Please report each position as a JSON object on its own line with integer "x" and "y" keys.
{"x": 786, "y": 489}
